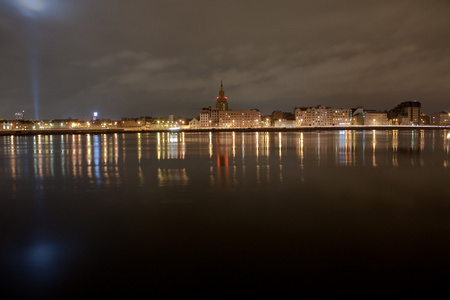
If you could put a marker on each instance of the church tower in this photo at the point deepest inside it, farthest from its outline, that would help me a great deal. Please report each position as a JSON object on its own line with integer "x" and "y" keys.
{"x": 222, "y": 102}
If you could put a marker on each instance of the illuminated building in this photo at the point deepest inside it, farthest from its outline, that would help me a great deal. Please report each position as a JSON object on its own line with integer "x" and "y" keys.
{"x": 17, "y": 125}
{"x": 277, "y": 115}
{"x": 131, "y": 123}
{"x": 369, "y": 117}
{"x": 342, "y": 116}
{"x": 222, "y": 102}
{"x": 221, "y": 117}
{"x": 406, "y": 113}
{"x": 63, "y": 123}
{"x": 240, "y": 118}
{"x": 322, "y": 116}
{"x": 20, "y": 115}
{"x": 283, "y": 119}
{"x": 194, "y": 123}
{"x": 440, "y": 118}
{"x": 209, "y": 117}
{"x": 425, "y": 119}
{"x": 284, "y": 123}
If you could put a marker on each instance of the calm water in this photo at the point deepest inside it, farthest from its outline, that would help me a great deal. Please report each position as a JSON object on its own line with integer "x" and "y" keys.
{"x": 216, "y": 213}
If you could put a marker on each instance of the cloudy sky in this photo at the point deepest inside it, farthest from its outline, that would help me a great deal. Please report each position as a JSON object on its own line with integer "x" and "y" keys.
{"x": 148, "y": 57}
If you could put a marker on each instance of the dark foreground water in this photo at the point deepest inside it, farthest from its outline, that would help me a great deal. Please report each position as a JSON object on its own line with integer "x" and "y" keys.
{"x": 225, "y": 214}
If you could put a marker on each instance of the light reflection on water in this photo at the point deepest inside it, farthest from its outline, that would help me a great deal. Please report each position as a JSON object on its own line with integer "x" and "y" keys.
{"x": 104, "y": 159}
{"x": 346, "y": 174}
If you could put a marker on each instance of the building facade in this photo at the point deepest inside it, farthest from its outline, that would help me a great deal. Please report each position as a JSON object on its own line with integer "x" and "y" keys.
{"x": 322, "y": 116}
{"x": 194, "y": 123}
{"x": 222, "y": 117}
{"x": 369, "y": 117}
{"x": 406, "y": 113}
{"x": 239, "y": 118}
{"x": 440, "y": 119}
{"x": 209, "y": 117}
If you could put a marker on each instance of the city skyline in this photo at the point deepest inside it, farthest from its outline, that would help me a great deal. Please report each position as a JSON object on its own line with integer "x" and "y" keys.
{"x": 68, "y": 59}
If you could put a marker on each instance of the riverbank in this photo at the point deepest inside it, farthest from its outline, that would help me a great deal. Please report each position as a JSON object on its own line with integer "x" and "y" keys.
{"x": 266, "y": 129}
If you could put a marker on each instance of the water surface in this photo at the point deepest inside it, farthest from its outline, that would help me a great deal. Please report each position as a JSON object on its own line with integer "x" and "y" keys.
{"x": 220, "y": 212}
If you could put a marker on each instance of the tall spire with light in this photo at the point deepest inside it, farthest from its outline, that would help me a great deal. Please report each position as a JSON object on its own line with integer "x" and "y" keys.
{"x": 222, "y": 102}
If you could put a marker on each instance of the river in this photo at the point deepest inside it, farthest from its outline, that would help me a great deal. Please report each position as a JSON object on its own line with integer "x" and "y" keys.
{"x": 217, "y": 213}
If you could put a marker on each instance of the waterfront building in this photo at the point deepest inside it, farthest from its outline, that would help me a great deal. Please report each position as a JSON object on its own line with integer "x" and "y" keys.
{"x": 135, "y": 123}
{"x": 440, "y": 119}
{"x": 342, "y": 116}
{"x": 17, "y": 125}
{"x": 6, "y": 125}
{"x": 209, "y": 117}
{"x": 369, "y": 117}
{"x": 322, "y": 116}
{"x": 283, "y": 123}
{"x": 194, "y": 123}
{"x": 163, "y": 123}
{"x": 283, "y": 119}
{"x": 276, "y": 116}
{"x": 62, "y": 123}
{"x": 239, "y": 118}
{"x": 425, "y": 119}
{"x": 313, "y": 116}
{"x": 406, "y": 113}
{"x": 266, "y": 121}
{"x": 222, "y": 117}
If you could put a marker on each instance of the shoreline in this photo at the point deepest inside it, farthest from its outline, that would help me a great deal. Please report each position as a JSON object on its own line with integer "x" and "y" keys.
{"x": 268, "y": 129}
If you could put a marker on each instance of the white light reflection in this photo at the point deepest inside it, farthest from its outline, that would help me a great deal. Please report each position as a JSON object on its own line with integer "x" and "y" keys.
{"x": 79, "y": 157}
{"x": 446, "y": 144}
{"x": 422, "y": 140}
{"x": 318, "y": 149}
{"x": 302, "y": 166}
{"x": 13, "y": 158}
{"x": 234, "y": 144}
{"x": 172, "y": 177}
{"x": 211, "y": 176}
{"x": 243, "y": 147}
{"x": 139, "y": 147}
{"x": 394, "y": 148}
{"x": 210, "y": 145}
{"x": 158, "y": 145}
{"x": 257, "y": 144}
{"x": 364, "y": 148}
{"x": 183, "y": 146}
{"x": 374, "y": 145}
{"x": 279, "y": 144}
{"x": 105, "y": 152}
{"x": 63, "y": 155}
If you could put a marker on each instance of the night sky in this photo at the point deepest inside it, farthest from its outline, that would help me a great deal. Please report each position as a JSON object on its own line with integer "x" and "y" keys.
{"x": 141, "y": 57}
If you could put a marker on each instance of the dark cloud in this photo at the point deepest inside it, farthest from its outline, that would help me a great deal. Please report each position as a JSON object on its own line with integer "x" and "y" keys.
{"x": 131, "y": 58}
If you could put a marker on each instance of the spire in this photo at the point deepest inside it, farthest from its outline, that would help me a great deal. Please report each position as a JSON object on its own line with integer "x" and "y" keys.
{"x": 222, "y": 102}
{"x": 221, "y": 92}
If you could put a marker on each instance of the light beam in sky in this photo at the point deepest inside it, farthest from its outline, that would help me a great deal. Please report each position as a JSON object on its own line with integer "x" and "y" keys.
{"x": 32, "y": 5}
{"x": 34, "y": 76}
{"x": 31, "y": 8}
